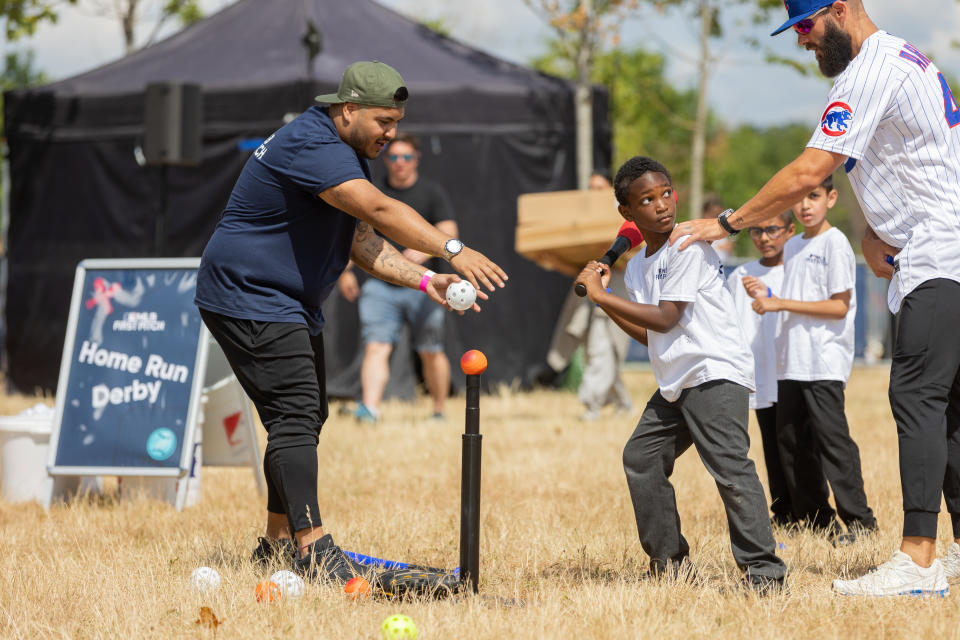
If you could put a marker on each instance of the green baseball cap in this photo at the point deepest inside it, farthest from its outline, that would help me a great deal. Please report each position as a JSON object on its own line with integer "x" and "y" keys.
{"x": 371, "y": 83}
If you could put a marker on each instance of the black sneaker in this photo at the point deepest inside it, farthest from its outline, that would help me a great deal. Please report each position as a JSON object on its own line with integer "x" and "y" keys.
{"x": 785, "y": 520}
{"x": 325, "y": 561}
{"x": 855, "y": 531}
{"x": 765, "y": 585}
{"x": 671, "y": 569}
{"x": 270, "y": 552}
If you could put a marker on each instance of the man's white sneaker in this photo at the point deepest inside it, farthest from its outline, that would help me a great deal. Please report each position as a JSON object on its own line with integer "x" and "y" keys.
{"x": 951, "y": 563}
{"x": 898, "y": 576}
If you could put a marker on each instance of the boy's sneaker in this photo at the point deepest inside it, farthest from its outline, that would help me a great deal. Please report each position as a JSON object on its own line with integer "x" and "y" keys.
{"x": 951, "y": 563}
{"x": 365, "y": 414}
{"x": 325, "y": 561}
{"x": 271, "y": 551}
{"x": 670, "y": 569}
{"x": 766, "y": 585}
{"x": 855, "y": 531}
{"x": 590, "y": 415}
{"x": 898, "y": 576}
{"x": 783, "y": 519}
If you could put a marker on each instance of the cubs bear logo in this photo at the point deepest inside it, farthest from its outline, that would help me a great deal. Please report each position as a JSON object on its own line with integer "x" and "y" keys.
{"x": 836, "y": 119}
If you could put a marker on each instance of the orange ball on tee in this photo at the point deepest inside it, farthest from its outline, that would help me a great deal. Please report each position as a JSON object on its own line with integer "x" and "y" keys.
{"x": 473, "y": 362}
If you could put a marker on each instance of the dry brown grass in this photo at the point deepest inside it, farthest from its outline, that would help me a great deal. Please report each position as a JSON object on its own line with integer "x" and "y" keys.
{"x": 557, "y": 531}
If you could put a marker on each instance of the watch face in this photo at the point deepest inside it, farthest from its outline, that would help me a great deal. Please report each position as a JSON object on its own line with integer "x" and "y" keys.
{"x": 454, "y": 246}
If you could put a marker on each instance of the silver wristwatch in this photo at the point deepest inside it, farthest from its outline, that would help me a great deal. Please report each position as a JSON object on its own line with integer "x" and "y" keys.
{"x": 725, "y": 224}
{"x": 451, "y": 248}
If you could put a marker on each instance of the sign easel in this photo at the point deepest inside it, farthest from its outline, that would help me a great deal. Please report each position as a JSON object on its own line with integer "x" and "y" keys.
{"x": 137, "y": 378}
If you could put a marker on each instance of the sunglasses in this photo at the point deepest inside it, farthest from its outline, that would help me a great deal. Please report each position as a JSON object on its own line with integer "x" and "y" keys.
{"x": 394, "y": 157}
{"x": 772, "y": 231}
{"x": 806, "y": 25}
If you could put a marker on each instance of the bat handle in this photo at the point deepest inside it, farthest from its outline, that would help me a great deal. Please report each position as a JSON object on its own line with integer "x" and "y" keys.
{"x": 607, "y": 259}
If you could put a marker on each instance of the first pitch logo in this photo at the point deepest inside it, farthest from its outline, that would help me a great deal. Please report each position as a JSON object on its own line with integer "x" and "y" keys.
{"x": 836, "y": 119}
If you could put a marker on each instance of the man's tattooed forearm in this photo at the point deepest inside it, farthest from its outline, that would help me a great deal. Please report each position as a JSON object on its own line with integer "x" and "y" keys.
{"x": 393, "y": 267}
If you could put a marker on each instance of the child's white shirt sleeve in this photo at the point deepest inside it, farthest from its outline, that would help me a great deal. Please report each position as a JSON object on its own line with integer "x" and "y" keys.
{"x": 681, "y": 277}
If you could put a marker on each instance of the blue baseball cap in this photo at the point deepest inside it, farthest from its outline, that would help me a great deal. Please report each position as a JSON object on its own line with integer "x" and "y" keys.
{"x": 798, "y": 10}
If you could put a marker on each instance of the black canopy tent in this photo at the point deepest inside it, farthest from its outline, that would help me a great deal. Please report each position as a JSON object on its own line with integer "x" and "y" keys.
{"x": 493, "y": 130}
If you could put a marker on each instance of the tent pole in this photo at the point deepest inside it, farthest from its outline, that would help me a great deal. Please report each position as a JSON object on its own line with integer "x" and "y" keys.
{"x": 161, "y": 222}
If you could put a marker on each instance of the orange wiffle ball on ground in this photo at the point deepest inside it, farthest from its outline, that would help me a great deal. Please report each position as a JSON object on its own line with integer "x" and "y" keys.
{"x": 268, "y": 591}
{"x": 473, "y": 362}
{"x": 357, "y": 588}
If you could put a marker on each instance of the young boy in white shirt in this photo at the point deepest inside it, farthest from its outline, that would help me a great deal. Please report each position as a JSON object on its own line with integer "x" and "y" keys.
{"x": 684, "y": 314}
{"x": 814, "y": 357}
{"x": 764, "y": 278}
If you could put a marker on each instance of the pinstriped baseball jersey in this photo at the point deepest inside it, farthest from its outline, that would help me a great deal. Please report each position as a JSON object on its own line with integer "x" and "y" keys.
{"x": 893, "y": 115}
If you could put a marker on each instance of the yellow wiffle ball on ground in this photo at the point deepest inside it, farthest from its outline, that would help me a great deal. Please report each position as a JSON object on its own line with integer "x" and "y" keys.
{"x": 398, "y": 627}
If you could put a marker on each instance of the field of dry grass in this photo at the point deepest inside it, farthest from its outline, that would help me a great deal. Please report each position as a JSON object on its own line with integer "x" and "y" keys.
{"x": 557, "y": 533}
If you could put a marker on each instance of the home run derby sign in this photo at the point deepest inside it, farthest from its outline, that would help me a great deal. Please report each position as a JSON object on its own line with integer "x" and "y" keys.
{"x": 128, "y": 399}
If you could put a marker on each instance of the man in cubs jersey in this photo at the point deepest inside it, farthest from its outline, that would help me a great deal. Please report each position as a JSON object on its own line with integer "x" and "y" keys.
{"x": 893, "y": 123}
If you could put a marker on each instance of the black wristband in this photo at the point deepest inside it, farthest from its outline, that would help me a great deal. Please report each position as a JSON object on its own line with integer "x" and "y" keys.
{"x": 722, "y": 219}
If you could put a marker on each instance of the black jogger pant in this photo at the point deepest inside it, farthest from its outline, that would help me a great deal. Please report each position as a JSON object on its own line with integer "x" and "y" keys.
{"x": 811, "y": 423}
{"x": 780, "y": 503}
{"x": 280, "y": 367}
{"x": 925, "y": 399}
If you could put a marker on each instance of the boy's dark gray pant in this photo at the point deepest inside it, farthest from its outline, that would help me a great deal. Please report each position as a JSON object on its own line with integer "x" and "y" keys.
{"x": 712, "y": 417}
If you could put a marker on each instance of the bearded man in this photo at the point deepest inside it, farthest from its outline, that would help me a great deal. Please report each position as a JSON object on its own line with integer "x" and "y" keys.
{"x": 891, "y": 121}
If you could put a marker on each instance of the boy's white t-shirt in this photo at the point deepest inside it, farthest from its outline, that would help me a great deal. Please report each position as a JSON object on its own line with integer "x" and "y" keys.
{"x": 808, "y": 347}
{"x": 759, "y": 331}
{"x": 707, "y": 343}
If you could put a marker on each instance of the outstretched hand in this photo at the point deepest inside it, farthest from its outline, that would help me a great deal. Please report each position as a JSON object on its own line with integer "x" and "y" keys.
{"x": 437, "y": 290}
{"x": 479, "y": 269}
{"x": 703, "y": 229}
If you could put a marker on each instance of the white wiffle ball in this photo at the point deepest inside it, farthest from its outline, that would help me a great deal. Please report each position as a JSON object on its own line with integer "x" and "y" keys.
{"x": 291, "y": 585}
{"x": 205, "y": 579}
{"x": 461, "y": 295}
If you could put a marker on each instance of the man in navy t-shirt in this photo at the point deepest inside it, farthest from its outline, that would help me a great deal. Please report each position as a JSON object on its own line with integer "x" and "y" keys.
{"x": 302, "y": 207}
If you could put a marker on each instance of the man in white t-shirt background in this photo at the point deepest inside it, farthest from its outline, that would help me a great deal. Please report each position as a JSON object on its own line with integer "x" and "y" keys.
{"x": 891, "y": 121}
{"x": 814, "y": 347}
{"x": 764, "y": 278}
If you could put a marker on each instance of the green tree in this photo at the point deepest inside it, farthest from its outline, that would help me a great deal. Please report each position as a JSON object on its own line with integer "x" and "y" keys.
{"x": 582, "y": 30}
{"x": 740, "y": 161}
{"x": 22, "y": 17}
{"x": 707, "y": 14}
{"x": 18, "y": 72}
{"x": 151, "y": 15}
{"x": 649, "y": 115}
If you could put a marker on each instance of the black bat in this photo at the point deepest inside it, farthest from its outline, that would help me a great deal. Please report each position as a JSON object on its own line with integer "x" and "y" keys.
{"x": 628, "y": 238}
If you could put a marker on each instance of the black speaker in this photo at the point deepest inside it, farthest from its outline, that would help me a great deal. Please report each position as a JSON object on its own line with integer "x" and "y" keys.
{"x": 173, "y": 122}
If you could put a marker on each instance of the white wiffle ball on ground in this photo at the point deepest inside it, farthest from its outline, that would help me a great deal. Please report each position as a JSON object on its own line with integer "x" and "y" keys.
{"x": 461, "y": 295}
{"x": 205, "y": 579}
{"x": 291, "y": 585}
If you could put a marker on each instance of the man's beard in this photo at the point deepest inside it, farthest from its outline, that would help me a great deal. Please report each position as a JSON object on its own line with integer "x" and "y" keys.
{"x": 836, "y": 50}
{"x": 361, "y": 144}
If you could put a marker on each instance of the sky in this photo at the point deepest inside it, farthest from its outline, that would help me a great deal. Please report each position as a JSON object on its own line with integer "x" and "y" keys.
{"x": 743, "y": 88}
